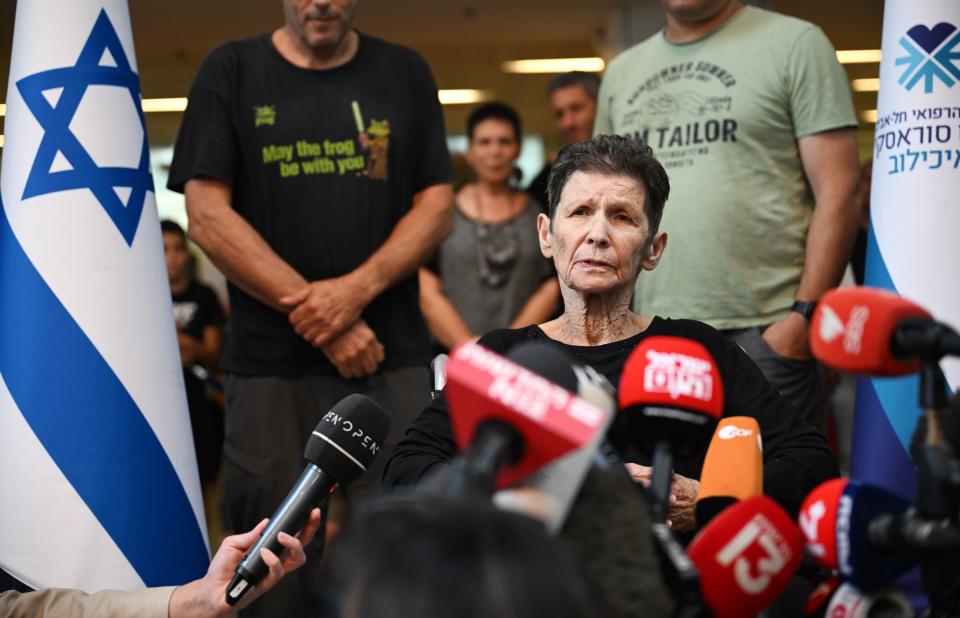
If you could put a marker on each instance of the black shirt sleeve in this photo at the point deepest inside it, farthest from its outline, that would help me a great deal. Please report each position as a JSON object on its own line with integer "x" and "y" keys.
{"x": 796, "y": 457}
{"x": 434, "y": 165}
{"x": 207, "y": 144}
{"x": 429, "y": 440}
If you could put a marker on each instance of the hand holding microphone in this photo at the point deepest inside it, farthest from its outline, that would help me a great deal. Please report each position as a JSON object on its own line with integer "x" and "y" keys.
{"x": 338, "y": 451}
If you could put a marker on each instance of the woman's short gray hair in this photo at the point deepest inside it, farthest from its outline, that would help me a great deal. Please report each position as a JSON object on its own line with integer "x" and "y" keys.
{"x": 615, "y": 155}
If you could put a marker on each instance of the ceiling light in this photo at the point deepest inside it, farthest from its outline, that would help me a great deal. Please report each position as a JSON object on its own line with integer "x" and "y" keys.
{"x": 858, "y": 56}
{"x": 553, "y": 65}
{"x": 3, "y": 109}
{"x": 1, "y": 140}
{"x": 174, "y": 104}
{"x": 869, "y": 115}
{"x": 868, "y": 84}
{"x": 462, "y": 96}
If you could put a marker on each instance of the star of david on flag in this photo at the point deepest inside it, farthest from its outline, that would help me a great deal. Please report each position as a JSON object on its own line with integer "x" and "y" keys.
{"x": 97, "y": 467}
{"x": 60, "y": 145}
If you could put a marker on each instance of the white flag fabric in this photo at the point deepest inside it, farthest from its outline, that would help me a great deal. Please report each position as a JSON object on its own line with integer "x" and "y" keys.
{"x": 912, "y": 245}
{"x": 97, "y": 468}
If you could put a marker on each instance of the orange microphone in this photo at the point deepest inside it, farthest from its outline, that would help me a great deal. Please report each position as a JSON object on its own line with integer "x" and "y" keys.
{"x": 732, "y": 469}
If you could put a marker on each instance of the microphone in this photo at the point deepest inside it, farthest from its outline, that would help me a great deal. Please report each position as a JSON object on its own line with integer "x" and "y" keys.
{"x": 746, "y": 556}
{"x": 509, "y": 420}
{"x": 438, "y": 366}
{"x": 338, "y": 451}
{"x": 849, "y": 602}
{"x": 818, "y": 522}
{"x": 732, "y": 468}
{"x": 839, "y": 521}
{"x": 608, "y": 529}
{"x": 865, "y": 330}
{"x": 549, "y": 492}
{"x": 671, "y": 396}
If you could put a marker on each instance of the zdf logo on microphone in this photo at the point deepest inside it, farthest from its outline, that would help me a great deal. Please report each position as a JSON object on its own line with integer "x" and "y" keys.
{"x": 729, "y": 432}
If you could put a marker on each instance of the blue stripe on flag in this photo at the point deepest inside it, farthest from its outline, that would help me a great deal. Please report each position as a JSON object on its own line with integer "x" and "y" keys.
{"x": 91, "y": 426}
{"x": 885, "y": 462}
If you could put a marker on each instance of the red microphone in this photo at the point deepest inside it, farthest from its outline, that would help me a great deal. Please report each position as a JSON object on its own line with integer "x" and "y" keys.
{"x": 746, "y": 556}
{"x": 511, "y": 421}
{"x": 818, "y": 522}
{"x": 843, "y": 521}
{"x": 671, "y": 397}
{"x": 865, "y": 330}
{"x": 733, "y": 468}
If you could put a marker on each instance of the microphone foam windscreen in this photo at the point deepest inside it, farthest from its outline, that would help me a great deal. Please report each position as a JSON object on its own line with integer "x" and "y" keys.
{"x": 484, "y": 386}
{"x": 818, "y": 521}
{"x": 746, "y": 556}
{"x": 670, "y": 389}
{"x": 852, "y": 330}
{"x": 732, "y": 469}
{"x": 348, "y": 437}
{"x": 609, "y": 530}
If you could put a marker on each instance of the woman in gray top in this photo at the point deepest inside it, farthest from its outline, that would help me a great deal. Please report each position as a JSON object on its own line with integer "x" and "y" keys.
{"x": 489, "y": 273}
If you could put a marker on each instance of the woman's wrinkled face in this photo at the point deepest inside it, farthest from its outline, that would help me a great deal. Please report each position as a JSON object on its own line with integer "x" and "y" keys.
{"x": 599, "y": 237}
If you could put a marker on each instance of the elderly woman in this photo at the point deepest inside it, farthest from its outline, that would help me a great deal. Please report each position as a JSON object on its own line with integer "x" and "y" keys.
{"x": 606, "y": 198}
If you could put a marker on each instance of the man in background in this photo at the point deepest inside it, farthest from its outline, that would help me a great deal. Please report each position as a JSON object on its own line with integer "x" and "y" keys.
{"x": 751, "y": 114}
{"x": 573, "y": 101}
{"x": 314, "y": 163}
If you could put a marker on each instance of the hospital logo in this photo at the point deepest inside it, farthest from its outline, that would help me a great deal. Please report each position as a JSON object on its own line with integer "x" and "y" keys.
{"x": 931, "y": 56}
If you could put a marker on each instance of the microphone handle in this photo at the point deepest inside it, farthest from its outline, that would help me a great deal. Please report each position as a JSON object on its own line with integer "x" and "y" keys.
{"x": 662, "y": 478}
{"x": 314, "y": 484}
{"x": 495, "y": 445}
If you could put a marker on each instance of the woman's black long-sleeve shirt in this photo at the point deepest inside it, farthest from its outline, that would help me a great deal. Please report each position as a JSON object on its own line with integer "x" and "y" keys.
{"x": 796, "y": 456}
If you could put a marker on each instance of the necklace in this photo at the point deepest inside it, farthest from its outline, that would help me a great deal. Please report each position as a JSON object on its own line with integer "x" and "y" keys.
{"x": 497, "y": 248}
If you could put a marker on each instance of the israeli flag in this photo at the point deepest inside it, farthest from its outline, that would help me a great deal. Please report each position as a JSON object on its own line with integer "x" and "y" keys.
{"x": 913, "y": 246}
{"x": 98, "y": 476}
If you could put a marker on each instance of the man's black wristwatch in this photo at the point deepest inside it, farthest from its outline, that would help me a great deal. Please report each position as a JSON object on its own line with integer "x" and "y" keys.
{"x": 804, "y": 308}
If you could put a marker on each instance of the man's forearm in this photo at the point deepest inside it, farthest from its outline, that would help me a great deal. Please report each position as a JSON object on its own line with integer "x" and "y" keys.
{"x": 235, "y": 247}
{"x": 830, "y": 163}
{"x": 829, "y": 243}
{"x": 411, "y": 243}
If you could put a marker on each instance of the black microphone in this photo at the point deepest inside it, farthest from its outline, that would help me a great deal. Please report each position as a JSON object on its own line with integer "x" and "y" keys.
{"x": 339, "y": 450}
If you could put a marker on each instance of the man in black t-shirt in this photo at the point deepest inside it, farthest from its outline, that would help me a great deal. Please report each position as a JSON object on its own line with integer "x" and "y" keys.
{"x": 199, "y": 319}
{"x": 317, "y": 178}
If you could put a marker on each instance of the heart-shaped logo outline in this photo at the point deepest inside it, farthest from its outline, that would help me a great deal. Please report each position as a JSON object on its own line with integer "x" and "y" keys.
{"x": 929, "y": 39}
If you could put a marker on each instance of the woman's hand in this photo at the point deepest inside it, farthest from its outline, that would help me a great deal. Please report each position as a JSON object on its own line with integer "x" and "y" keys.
{"x": 683, "y": 495}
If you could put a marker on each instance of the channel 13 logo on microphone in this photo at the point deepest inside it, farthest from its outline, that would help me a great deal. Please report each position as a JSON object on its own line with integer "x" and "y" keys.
{"x": 931, "y": 55}
{"x": 758, "y": 553}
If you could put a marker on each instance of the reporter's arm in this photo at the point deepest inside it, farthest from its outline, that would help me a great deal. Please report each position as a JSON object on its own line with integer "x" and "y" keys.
{"x": 206, "y": 597}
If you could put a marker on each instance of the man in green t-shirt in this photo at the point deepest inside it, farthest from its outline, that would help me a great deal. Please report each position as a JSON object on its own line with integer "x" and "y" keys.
{"x": 751, "y": 115}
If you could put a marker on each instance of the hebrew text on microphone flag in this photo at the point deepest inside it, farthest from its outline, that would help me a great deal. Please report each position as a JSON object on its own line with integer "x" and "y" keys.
{"x": 97, "y": 467}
